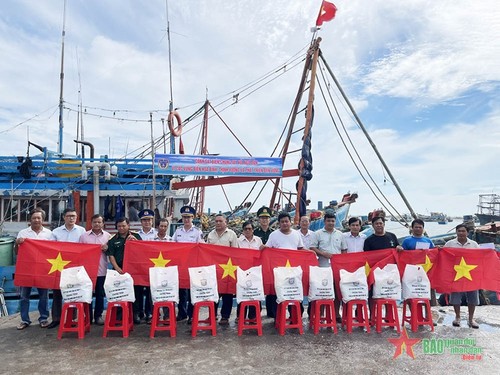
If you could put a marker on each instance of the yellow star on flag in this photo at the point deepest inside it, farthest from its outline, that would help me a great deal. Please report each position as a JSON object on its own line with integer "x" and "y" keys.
{"x": 58, "y": 263}
{"x": 463, "y": 270}
{"x": 229, "y": 269}
{"x": 160, "y": 261}
{"x": 427, "y": 265}
{"x": 288, "y": 263}
{"x": 367, "y": 268}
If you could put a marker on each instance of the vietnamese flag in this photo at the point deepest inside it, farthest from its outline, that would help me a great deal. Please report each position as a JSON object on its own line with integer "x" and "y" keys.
{"x": 352, "y": 261}
{"x": 39, "y": 263}
{"x": 425, "y": 258}
{"x": 227, "y": 260}
{"x": 141, "y": 255}
{"x": 272, "y": 258}
{"x": 326, "y": 13}
{"x": 461, "y": 270}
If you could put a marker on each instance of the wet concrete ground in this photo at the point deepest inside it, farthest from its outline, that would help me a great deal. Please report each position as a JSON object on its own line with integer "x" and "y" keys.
{"x": 35, "y": 350}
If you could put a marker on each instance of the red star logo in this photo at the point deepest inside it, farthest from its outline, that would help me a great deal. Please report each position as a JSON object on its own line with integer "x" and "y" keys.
{"x": 404, "y": 344}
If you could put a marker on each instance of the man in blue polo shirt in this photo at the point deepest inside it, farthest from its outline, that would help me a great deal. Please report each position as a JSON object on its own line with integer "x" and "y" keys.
{"x": 417, "y": 240}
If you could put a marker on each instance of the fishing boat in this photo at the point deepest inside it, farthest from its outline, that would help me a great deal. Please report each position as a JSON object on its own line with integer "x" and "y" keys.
{"x": 488, "y": 208}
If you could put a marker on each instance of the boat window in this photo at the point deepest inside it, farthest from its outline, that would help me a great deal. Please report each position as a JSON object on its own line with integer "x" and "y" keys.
{"x": 11, "y": 209}
{"x": 44, "y": 205}
{"x": 57, "y": 209}
{"x": 27, "y": 205}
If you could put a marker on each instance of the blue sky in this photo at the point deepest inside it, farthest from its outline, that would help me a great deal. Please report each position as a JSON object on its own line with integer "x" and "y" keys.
{"x": 422, "y": 75}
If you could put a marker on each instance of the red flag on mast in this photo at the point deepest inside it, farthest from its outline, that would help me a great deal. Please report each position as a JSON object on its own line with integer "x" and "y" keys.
{"x": 326, "y": 13}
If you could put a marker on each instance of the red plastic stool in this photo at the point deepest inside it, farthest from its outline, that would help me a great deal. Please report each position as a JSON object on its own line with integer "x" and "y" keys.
{"x": 295, "y": 320}
{"x": 205, "y": 324}
{"x": 82, "y": 322}
{"x": 390, "y": 319}
{"x": 252, "y": 323}
{"x": 165, "y": 324}
{"x": 322, "y": 315}
{"x": 125, "y": 325}
{"x": 361, "y": 317}
{"x": 420, "y": 313}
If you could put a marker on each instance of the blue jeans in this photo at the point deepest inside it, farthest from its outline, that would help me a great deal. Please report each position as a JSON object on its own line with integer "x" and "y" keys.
{"x": 99, "y": 298}
{"x": 43, "y": 304}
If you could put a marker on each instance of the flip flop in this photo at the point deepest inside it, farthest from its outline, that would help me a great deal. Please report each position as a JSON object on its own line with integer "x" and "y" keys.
{"x": 473, "y": 324}
{"x": 22, "y": 326}
{"x": 44, "y": 324}
{"x": 456, "y": 323}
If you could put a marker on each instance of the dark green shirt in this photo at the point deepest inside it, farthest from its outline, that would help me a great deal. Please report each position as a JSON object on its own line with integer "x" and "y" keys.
{"x": 116, "y": 247}
{"x": 264, "y": 236}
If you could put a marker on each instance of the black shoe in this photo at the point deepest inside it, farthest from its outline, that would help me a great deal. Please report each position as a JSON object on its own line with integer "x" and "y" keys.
{"x": 190, "y": 320}
{"x": 137, "y": 320}
{"x": 149, "y": 319}
{"x": 53, "y": 324}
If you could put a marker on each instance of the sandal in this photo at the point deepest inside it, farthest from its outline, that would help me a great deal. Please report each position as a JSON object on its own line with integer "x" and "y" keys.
{"x": 456, "y": 323}
{"x": 44, "y": 324}
{"x": 473, "y": 324}
{"x": 22, "y": 326}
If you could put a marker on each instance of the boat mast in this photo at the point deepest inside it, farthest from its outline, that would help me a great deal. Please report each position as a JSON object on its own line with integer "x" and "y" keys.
{"x": 307, "y": 129}
{"x": 295, "y": 110}
{"x": 61, "y": 77}
{"x": 363, "y": 129}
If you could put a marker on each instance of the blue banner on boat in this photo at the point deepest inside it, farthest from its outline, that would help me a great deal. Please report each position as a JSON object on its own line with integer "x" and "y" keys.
{"x": 208, "y": 165}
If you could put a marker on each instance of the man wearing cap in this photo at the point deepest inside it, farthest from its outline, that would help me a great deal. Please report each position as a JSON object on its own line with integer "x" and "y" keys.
{"x": 326, "y": 242}
{"x": 223, "y": 236}
{"x": 147, "y": 233}
{"x": 381, "y": 239}
{"x": 186, "y": 233}
{"x": 263, "y": 231}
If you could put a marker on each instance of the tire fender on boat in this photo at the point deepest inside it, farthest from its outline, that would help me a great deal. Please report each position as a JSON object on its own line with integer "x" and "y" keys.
{"x": 178, "y": 130}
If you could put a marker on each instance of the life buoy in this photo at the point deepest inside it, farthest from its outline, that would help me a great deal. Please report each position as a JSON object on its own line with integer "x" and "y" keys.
{"x": 174, "y": 131}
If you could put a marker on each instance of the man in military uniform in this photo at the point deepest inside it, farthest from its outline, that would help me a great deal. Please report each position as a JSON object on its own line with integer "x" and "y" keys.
{"x": 186, "y": 233}
{"x": 116, "y": 248}
{"x": 263, "y": 231}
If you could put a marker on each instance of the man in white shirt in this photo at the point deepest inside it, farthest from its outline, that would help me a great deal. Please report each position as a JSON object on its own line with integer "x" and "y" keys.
{"x": 328, "y": 241}
{"x": 98, "y": 236}
{"x": 186, "y": 233}
{"x": 248, "y": 240}
{"x": 35, "y": 231}
{"x": 354, "y": 239}
{"x": 69, "y": 232}
{"x": 462, "y": 242}
{"x": 223, "y": 236}
{"x": 305, "y": 232}
{"x": 284, "y": 238}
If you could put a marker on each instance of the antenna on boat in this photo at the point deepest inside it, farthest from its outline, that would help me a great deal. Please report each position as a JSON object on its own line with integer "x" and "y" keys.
{"x": 61, "y": 76}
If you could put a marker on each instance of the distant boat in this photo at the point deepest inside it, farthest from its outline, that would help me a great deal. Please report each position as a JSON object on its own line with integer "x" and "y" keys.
{"x": 488, "y": 208}
{"x": 443, "y": 222}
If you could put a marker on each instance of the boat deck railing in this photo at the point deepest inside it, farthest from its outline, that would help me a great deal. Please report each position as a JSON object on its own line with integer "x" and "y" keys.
{"x": 57, "y": 171}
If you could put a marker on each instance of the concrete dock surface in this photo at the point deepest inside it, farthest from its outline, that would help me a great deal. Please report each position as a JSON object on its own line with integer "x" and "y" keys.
{"x": 38, "y": 351}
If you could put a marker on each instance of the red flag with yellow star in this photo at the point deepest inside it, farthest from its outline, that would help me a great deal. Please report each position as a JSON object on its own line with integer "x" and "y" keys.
{"x": 461, "y": 270}
{"x": 39, "y": 263}
{"x": 425, "y": 258}
{"x": 140, "y": 256}
{"x": 227, "y": 260}
{"x": 272, "y": 258}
